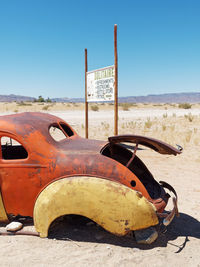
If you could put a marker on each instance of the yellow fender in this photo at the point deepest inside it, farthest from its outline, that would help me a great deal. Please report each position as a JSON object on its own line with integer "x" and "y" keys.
{"x": 115, "y": 207}
{"x": 3, "y": 214}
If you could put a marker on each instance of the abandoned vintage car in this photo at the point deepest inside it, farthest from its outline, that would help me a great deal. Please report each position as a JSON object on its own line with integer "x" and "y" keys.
{"x": 46, "y": 176}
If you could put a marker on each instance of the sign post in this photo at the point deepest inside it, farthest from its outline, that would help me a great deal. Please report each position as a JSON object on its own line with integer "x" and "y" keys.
{"x": 86, "y": 101}
{"x": 116, "y": 80}
{"x": 102, "y": 85}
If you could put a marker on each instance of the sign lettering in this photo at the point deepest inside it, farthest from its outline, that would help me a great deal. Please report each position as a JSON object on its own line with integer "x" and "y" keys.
{"x": 100, "y": 84}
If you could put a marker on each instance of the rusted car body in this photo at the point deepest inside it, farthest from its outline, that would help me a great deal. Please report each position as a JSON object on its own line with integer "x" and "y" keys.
{"x": 41, "y": 169}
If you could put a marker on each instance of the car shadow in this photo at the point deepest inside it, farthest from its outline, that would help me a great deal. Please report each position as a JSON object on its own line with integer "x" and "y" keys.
{"x": 79, "y": 229}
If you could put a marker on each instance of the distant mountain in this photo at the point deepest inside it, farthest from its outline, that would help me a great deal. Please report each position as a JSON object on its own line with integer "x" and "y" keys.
{"x": 162, "y": 98}
{"x": 17, "y": 98}
{"x": 66, "y": 99}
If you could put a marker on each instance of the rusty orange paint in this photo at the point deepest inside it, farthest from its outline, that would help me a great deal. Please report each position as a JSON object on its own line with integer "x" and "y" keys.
{"x": 21, "y": 180}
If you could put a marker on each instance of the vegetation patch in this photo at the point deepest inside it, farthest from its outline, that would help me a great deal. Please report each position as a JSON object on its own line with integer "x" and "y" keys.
{"x": 148, "y": 123}
{"x": 185, "y": 105}
{"x": 125, "y": 106}
{"x": 94, "y": 108}
{"x": 22, "y": 103}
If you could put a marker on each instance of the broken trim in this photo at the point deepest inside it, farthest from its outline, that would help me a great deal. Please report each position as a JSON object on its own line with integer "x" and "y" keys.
{"x": 155, "y": 144}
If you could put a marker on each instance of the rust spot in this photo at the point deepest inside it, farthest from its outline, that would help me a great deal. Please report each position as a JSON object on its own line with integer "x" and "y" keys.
{"x": 139, "y": 194}
{"x": 126, "y": 222}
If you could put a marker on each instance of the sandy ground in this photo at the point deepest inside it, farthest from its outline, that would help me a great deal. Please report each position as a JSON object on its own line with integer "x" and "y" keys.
{"x": 74, "y": 242}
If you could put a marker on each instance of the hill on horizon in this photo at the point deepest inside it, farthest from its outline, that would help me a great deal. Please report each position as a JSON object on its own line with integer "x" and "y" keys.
{"x": 160, "y": 98}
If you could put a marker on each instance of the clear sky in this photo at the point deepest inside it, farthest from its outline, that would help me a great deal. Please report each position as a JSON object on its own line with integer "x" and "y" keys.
{"x": 42, "y": 45}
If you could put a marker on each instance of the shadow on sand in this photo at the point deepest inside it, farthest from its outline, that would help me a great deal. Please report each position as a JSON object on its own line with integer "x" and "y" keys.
{"x": 77, "y": 228}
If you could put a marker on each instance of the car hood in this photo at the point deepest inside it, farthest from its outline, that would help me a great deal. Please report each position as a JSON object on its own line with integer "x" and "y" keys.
{"x": 152, "y": 143}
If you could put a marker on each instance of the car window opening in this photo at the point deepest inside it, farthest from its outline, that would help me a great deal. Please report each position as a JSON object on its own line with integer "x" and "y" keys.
{"x": 56, "y": 133}
{"x": 12, "y": 149}
{"x": 60, "y": 131}
{"x": 67, "y": 129}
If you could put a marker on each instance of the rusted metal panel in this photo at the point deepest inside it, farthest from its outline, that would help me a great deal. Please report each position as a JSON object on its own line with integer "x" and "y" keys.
{"x": 152, "y": 143}
{"x": 48, "y": 160}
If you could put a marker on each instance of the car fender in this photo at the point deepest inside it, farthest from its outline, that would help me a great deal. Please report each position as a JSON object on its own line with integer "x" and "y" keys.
{"x": 115, "y": 207}
{"x": 3, "y": 214}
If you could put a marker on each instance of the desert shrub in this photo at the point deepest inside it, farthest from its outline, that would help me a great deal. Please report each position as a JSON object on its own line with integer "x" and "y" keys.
{"x": 188, "y": 136}
{"x": 125, "y": 106}
{"x": 105, "y": 125}
{"x": 172, "y": 105}
{"x": 22, "y": 103}
{"x": 165, "y": 115}
{"x": 48, "y": 100}
{"x": 131, "y": 124}
{"x": 157, "y": 105}
{"x": 185, "y": 105}
{"x": 46, "y": 107}
{"x": 189, "y": 116}
{"x": 164, "y": 127}
{"x": 94, "y": 108}
{"x": 172, "y": 127}
{"x": 148, "y": 123}
{"x": 40, "y": 99}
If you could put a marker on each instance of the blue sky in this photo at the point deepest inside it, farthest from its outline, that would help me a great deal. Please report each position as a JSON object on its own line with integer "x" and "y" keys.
{"x": 42, "y": 45}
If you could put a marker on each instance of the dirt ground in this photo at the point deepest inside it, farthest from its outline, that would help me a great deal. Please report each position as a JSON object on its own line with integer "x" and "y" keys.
{"x": 75, "y": 242}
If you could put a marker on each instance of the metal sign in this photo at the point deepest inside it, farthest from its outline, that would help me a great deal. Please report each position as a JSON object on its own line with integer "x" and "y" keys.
{"x": 101, "y": 84}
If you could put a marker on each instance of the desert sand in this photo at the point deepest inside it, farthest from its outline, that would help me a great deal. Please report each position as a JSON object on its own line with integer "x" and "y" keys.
{"x": 74, "y": 242}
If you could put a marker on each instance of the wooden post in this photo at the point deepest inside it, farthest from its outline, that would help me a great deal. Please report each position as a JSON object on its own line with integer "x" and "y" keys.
{"x": 116, "y": 81}
{"x": 86, "y": 103}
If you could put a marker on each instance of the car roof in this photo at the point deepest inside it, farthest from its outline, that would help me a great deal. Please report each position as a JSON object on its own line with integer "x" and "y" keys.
{"x": 23, "y": 123}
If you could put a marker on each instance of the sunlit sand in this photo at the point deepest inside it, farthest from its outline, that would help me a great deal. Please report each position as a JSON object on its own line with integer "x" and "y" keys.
{"x": 92, "y": 246}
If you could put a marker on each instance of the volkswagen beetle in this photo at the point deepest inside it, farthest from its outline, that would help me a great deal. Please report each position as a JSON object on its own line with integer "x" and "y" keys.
{"x": 46, "y": 175}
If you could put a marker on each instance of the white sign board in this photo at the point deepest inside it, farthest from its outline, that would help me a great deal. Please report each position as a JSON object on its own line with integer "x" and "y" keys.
{"x": 100, "y": 84}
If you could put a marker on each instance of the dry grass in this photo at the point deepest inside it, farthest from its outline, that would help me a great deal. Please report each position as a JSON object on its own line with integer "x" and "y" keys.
{"x": 173, "y": 128}
{"x": 182, "y": 130}
{"x": 35, "y": 106}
